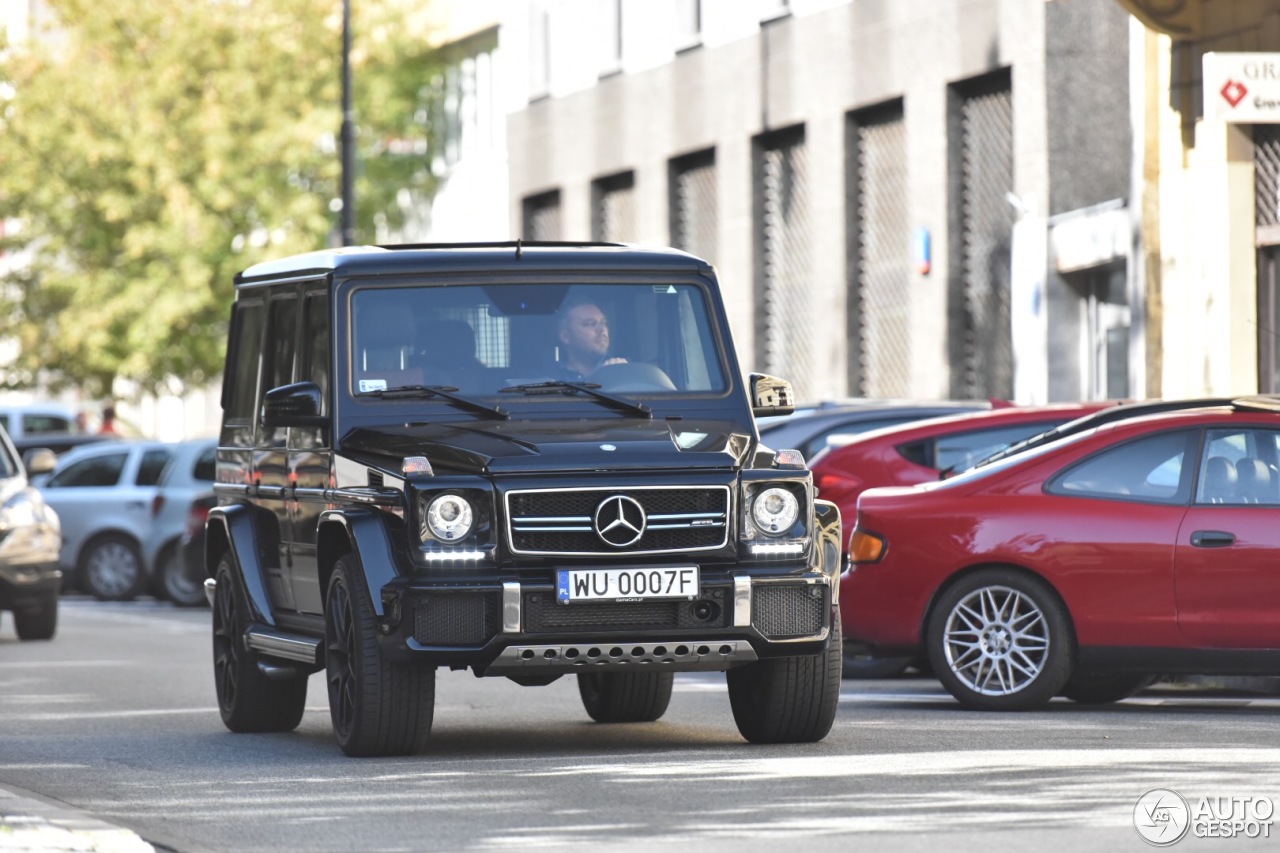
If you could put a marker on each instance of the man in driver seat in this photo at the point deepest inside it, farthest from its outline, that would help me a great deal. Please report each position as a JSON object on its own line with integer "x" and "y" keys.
{"x": 583, "y": 336}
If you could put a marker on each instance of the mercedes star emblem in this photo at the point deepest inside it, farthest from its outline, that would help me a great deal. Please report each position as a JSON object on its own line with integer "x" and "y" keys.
{"x": 620, "y": 521}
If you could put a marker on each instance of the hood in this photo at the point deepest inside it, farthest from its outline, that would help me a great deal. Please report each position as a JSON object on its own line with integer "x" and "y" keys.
{"x": 517, "y": 446}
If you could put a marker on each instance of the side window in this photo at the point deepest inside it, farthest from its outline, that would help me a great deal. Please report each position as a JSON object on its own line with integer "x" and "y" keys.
{"x": 1151, "y": 469}
{"x": 152, "y": 466}
{"x": 1239, "y": 467}
{"x": 241, "y": 379}
{"x": 8, "y": 464}
{"x": 962, "y": 450}
{"x": 316, "y": 334}
{"x": 279, "y": 347}
{"x": 206, "y": 465}
{"x": 99, "y": 471}
{"x": 43, "y": 424}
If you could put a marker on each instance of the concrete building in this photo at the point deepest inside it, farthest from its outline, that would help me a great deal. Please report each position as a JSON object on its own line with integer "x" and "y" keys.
{"x": 1209, "y": 181}
{"x": 926, "y": 199}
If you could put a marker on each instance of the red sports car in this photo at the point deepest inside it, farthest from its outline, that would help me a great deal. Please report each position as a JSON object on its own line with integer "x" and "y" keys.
{"x": 1079, "y": 568}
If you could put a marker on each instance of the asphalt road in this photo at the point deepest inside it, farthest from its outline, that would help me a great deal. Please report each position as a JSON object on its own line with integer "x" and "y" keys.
{"x": 117, "y": 717}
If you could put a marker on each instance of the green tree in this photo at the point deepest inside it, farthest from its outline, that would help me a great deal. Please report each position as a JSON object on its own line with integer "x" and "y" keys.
{"x": 149, "y": 151}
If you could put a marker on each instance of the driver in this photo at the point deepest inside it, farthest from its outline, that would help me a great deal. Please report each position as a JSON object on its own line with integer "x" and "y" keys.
{"x": 584, "y": 340}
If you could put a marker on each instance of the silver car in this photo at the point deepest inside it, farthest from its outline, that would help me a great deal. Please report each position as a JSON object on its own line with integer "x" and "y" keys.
{"x": 29, "y": 540}
{"x": 188, "y": 477}
{"x": 103, "y": 494}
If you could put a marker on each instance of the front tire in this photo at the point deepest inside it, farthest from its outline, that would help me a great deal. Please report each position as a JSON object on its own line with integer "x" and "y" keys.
{"x": 248, "y": 700}
{"x": 999, "y": 640}
{"x": 788, "y": 700}
{"x": 37, "y": 621}
{"x": 377, "y": 707}
{"x": 625, "y": 697}
{"x": 111, "y": 568}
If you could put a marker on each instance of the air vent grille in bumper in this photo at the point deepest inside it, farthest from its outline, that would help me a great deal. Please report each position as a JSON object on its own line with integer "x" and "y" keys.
{"x": 789, "y": 610}
{"x": 456, "y": 618}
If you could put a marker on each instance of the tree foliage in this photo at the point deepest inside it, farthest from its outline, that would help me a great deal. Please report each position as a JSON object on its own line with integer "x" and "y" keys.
{"x": 149, "y": 151}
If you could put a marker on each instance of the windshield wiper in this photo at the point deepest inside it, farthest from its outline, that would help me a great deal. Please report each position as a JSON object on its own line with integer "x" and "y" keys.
{"x": 444, "y": 392}
{"x": 590, "y": 388}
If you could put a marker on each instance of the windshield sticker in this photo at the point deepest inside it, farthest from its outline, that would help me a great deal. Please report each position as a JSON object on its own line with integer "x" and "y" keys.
{"x": 370, "y": 385}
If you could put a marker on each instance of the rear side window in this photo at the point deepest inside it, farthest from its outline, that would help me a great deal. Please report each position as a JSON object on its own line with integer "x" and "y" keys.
{"x": 1153, "y": 469}
{"x": 153, "y": 462}
{"x": 206, "y": 464}
{"x": 99, "y": 471}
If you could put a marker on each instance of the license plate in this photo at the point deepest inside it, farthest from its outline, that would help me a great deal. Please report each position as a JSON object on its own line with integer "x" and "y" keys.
{"x": 626, "y": 584}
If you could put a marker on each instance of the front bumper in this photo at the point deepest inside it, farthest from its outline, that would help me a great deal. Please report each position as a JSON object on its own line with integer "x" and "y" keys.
{"x": 518, "y": 628}
{"x": 21, "y": 584}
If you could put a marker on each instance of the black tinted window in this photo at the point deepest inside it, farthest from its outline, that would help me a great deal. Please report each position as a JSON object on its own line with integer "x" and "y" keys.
{"x": 241, "y": 377}
{"x": 98, "y": 471}
{"x": 316, "y": 335}
{"x": 153, "y": 462}
{"x": 277, "y": 366}
{"x": 206, "y": 465}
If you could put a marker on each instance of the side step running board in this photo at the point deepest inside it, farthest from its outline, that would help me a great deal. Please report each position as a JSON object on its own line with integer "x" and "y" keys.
{"x": 280, "y": 644}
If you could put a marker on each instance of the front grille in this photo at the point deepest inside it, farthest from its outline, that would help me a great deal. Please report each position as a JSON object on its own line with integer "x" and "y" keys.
{"x": 456, "y": 618}
{"x": 543, "y": 614}
{"x": 788, "y": 610}
{"x": 563, "y": 521}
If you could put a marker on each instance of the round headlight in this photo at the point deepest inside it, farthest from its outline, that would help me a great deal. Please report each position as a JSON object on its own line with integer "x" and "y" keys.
{"x": 449, "y": 518}
{"x": 775, "y": 510}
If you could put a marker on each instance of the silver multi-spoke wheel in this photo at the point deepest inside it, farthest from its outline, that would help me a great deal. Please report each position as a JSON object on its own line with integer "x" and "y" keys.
{"x": 1001, "y": 639}
{"x": 996, "y": 641}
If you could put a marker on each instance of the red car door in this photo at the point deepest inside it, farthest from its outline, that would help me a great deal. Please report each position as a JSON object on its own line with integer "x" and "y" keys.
{"x": 1227, "y": 557}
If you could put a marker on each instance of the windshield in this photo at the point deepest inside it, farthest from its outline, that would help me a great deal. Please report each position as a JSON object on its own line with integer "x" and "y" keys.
{"x": 480, "y": 339}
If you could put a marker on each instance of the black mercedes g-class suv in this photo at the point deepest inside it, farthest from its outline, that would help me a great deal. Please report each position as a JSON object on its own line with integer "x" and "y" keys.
{"x": 526, "y": 459}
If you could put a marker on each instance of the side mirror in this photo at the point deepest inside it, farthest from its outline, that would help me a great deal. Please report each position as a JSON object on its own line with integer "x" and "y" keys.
{"x": 771, "y": 396}
{"x": 39, "y": 460}
{"x": 296, "y": 405}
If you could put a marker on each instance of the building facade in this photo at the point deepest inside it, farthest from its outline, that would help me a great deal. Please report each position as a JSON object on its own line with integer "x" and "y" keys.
{"x": 903, "y": 199}
{"x": 1208, "y": 189}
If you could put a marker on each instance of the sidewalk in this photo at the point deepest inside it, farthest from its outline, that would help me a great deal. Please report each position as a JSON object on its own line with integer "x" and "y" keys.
{"x": 31, "y": 825}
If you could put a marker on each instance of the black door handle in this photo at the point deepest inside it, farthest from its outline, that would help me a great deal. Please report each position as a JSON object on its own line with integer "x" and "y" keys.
{"x": 1212, "y": 539}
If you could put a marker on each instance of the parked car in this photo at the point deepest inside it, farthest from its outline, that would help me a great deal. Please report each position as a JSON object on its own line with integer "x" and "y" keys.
{"x": 1118, "y": 412}
{"x": 918, "y": 452}
{"x": 48, "y": 425}
{"x": 1083, "y": 567}
{"x": 29, "y": 538}
{"x": 504, "y": 515}
{"x": 811, "y": 429}
{"x": 103, "y": 494}
{"x": 188, "y": 476}
{"x": 192, "y": 548}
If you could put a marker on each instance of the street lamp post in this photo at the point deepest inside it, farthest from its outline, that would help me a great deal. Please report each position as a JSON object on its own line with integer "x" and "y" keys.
{"x": 348, "y": 219}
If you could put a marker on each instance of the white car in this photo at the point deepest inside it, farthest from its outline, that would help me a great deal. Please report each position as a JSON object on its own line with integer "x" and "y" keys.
{"x": 103, "y": 494}
{"x": 29, "y": 576}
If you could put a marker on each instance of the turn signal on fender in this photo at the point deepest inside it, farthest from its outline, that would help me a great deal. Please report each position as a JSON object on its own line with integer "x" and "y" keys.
{"x": 865, "y": 547}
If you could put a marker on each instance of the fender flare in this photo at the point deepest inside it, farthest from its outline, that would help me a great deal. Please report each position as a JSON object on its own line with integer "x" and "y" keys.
{"x": 366, "y": 532}
{"x": 827, "y": 550}
{"x": 234, "y": 529}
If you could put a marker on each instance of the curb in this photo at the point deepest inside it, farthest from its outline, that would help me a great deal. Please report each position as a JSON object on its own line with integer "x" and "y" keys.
{"x": 35, "y": 825}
